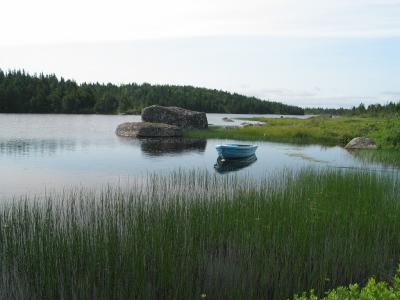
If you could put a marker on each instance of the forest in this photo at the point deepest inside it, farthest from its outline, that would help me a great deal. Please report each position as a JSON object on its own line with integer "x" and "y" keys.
{"x": 21, "y": 92}
{"x": 372, "y": 110}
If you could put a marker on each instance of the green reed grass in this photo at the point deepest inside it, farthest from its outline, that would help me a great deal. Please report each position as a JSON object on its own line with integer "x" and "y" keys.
{"x": 387, "y": 158}
{"x": 192, "y": 235}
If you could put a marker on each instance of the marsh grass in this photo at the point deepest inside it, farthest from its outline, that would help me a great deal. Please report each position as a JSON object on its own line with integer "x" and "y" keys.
{"x": 387, "y": 158}
{"x": 191, "y": 235}
{"x": 317, "y": 130}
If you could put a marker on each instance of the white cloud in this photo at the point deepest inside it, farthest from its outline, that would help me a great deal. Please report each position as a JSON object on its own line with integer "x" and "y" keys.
{"x": 49, "y": 21}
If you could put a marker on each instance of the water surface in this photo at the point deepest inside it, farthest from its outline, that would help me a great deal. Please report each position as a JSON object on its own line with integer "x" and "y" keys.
{"x": 40, "y": 153}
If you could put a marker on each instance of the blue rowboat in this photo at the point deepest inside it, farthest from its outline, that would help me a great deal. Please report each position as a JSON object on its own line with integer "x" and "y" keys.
{"x": 236, "y": 150}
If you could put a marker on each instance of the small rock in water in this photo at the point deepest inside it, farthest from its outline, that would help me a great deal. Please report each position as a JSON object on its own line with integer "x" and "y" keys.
{"x": 247, "y": 124}
{"x": 361, "y": 143}
{"x": 226, "y": 119}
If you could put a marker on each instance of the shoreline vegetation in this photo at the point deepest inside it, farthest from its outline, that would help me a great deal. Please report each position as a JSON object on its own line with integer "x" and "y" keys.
{"x": 190, "y": 235}
{"x": 21, "y": 92}
{"x": 323, "y": 130}
{"x": 390, "y": 109}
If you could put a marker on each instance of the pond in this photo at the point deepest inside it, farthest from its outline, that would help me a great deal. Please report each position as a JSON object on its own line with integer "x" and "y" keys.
{"x": 42, "y": 153}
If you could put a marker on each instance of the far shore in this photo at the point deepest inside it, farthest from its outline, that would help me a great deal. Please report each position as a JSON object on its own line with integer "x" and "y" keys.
{"x": 322, "y": 130}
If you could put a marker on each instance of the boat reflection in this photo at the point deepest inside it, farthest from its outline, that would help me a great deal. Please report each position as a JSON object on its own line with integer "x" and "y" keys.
{"x": 231, "y": 165}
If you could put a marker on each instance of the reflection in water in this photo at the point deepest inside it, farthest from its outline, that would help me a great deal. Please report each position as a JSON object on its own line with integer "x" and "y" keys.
{"x": 29, "y": 147}
{"x": 163, "y": 146}
{"x": 231, "y": 165}
{"x": 306, "y": 157}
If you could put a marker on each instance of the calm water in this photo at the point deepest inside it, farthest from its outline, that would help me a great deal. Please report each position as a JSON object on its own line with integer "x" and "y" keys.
{"x": 41, "y": 153}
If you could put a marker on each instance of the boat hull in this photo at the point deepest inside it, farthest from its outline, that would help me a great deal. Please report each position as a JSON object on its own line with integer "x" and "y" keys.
{"x": 236, "y": 151}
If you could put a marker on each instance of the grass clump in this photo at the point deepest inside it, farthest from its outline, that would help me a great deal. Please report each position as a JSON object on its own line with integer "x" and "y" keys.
{"x": 317, "y": 130}
{"x": 193, "y": 235}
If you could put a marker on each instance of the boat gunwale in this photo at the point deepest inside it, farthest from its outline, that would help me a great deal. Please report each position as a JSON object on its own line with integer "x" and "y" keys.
{"x": 236, "y": 146}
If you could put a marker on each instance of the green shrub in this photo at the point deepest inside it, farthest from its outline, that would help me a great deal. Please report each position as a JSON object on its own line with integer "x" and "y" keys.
{"x": 373, "y": 290}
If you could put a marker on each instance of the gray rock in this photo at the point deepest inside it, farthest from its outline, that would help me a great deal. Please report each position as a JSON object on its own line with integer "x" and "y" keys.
{"x": 361, "y": 143}
{"x": 226, "y": 119}
{"x": 246, "y": 124}
{"x": 143, "y": 129}
{"x": 181, "y": 117}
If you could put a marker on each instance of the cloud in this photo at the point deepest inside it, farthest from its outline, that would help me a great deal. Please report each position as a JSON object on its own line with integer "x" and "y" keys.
{"x": 281, "y": 93}
{"x": 312, "y": 98}
{"x": 48, "y": 21}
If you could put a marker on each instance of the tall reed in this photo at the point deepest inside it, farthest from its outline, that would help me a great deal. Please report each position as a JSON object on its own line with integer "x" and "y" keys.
{"x": 194, "y": 235}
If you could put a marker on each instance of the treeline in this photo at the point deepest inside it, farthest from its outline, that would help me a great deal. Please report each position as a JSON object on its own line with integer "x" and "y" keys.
{"x": 23, "y": 93}
{"x": 373, "y": 110}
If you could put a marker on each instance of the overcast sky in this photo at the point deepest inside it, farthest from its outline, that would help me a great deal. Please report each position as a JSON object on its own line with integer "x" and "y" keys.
{"x": 310, "y": 52}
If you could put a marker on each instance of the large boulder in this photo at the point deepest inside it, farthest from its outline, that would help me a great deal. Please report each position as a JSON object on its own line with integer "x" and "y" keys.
{"x": 143, "y": 129}
{"x": 181, "y": 117}
{"x": 361, "y": 143}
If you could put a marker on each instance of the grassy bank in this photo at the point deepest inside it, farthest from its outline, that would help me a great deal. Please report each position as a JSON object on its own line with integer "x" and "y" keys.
{"x": 319, "y": 130}
{"x": 193, "y": 235}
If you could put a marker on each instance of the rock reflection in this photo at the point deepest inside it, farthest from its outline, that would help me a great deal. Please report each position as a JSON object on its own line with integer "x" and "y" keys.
{"x": 232, "y": 165}
{"x": 167, "y": 146}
